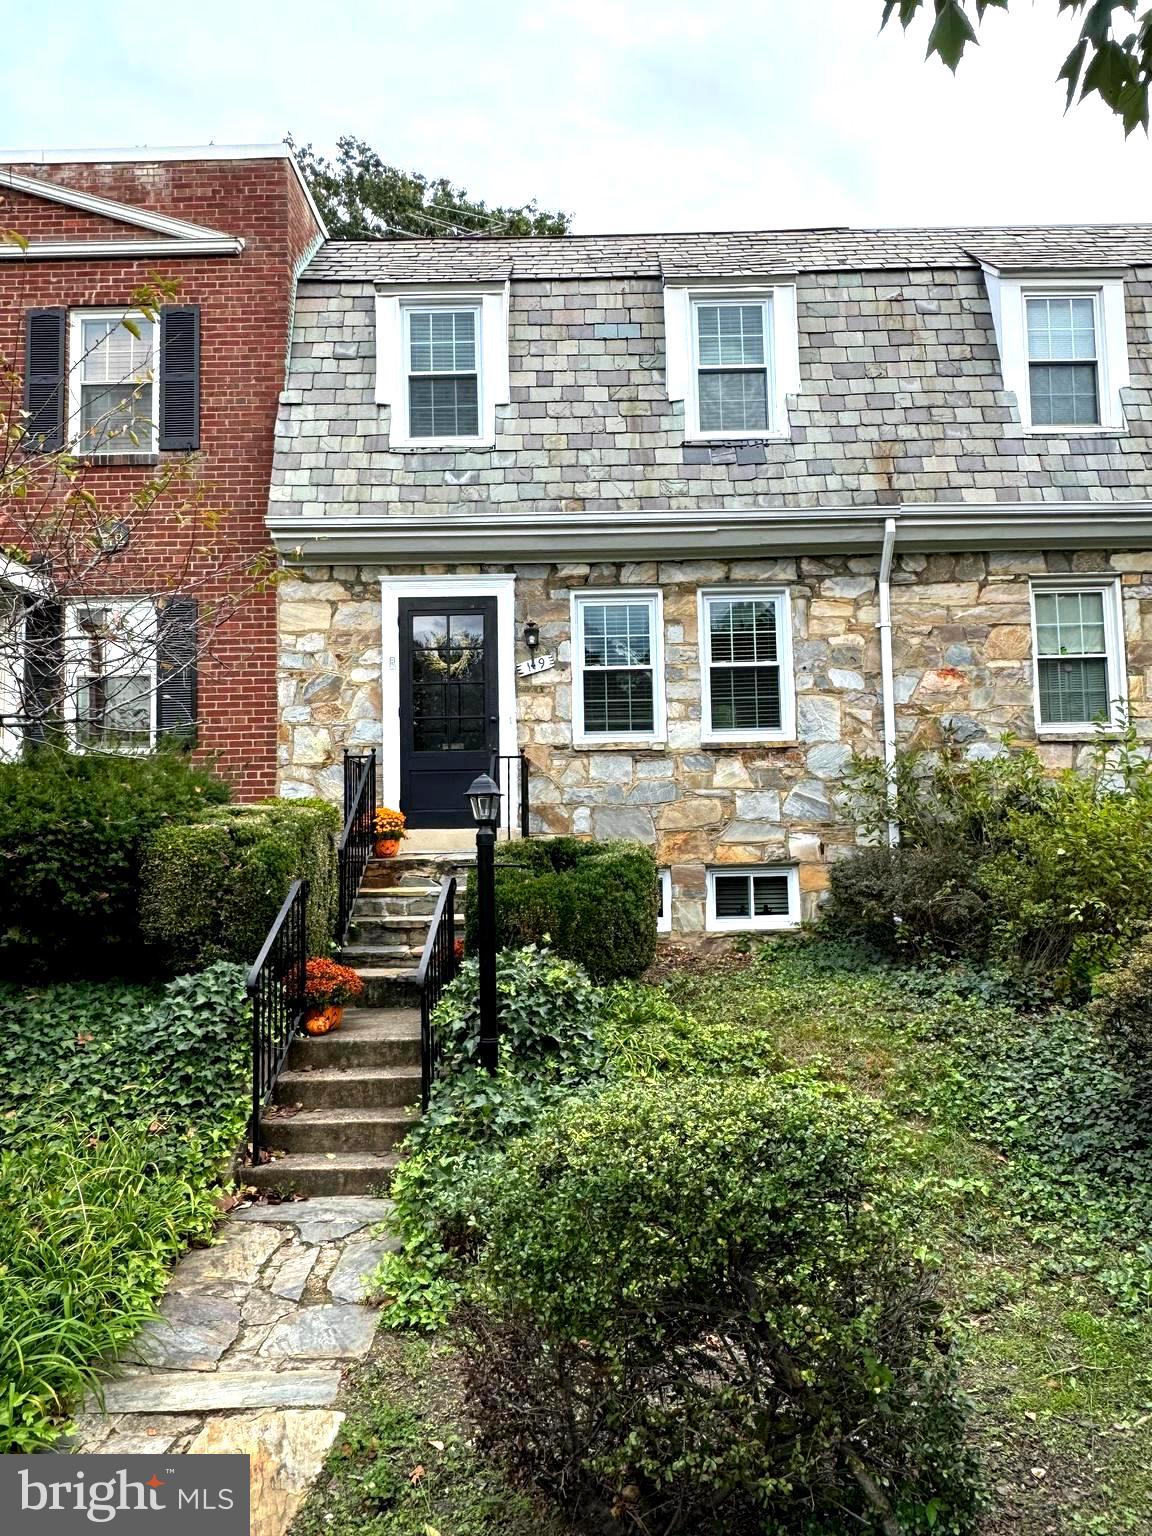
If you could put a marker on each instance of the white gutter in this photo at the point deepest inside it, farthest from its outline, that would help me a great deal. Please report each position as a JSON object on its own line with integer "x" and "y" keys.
{"x": 887, "y": 679}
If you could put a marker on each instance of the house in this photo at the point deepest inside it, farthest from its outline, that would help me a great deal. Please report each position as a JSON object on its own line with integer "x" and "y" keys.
{"x": 125, "y": 604}
{"x": 687, "y": 520}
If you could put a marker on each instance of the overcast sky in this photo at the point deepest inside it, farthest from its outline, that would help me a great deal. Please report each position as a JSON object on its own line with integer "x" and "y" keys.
{"x": 630, "y": 114}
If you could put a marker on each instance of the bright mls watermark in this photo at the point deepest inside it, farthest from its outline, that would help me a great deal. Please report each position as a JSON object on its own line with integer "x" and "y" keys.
{"x": 132, "y": 1495}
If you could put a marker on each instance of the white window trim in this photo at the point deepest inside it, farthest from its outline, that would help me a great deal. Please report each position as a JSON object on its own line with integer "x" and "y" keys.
{"x": 789, "y": 920}
{"x": 491, "y": 302}
{"x": 787, "y": 730}
{"x": 11, "y": 682}
{"x": 664, "y": 920}
{"x": 76, "y": 319}
{"x": 75, "y": 658}
{"x": 1009, "y": 296}
{"x": 619, "y": 595}
{"x": 680, "y": 302}
{"x": 1115, "y": 652}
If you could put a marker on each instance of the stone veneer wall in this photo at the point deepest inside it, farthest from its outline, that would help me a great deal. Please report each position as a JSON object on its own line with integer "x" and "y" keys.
{"x": 962, "y": 648}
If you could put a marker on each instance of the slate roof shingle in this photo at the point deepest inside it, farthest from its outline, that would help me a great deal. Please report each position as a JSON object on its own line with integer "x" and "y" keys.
{"x": 737, "y": 254}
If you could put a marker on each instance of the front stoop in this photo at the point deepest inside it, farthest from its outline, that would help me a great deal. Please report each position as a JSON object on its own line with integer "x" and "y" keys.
{"x": 342, "y": 1106}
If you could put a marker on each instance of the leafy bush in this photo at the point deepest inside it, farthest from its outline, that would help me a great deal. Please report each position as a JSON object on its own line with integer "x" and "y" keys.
{"x": 548, "y": 1013}
{"x": 910, "y": 900}
{"x": 700, "y": 1309}
{"x": 1122, "y": 1010}
{"x": 591, "y": 902}
{"x": 212, "y": 889}
{"x": 73, "y": 832}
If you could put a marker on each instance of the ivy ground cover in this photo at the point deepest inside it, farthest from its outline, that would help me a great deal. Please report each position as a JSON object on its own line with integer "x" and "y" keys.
{"x": 120, "y": 1108}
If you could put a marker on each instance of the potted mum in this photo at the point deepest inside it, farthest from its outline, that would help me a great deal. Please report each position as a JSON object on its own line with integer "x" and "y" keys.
{"x": 328, "y": 989}
{"x": 389, "y": 830}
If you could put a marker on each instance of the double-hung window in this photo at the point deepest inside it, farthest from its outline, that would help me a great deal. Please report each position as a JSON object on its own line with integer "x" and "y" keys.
{"x": 442, "y": 352}
{"x": 1063, "y": 359}
{"x": 1080, "y": 679}
{"x": 746, "y": 663}
{"x": 111, "y": 691}
{"x": 752, "y": 898}
{"x": 114, "y": 383}
{"x": 618, "y": 682}
{"x": 733, "y": 356}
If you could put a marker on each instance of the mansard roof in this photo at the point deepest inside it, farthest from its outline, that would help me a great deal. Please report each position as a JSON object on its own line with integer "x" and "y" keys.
{"x": 733, "y": 255}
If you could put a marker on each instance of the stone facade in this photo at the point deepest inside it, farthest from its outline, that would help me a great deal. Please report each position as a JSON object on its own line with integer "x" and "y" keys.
{"x": 962, "y": 663}
{"x": 901, "y": 410}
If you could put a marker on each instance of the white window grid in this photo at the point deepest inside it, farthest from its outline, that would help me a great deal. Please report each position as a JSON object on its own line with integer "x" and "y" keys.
{"x": 1114, "y": 653}
{"x": 618, "y": 597}
{"x": 779, "y": 596}
{"x": 409, "y": 372}
{"x": 765, "y": 365}
{"x": 767, "y": 922}
{"x": 124, "y": 649}
{"x": 122, "y": 359}
{"x": 1072, "y": 297}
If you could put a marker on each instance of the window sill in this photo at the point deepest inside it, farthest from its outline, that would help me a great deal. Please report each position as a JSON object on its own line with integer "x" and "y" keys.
{"x": 1075, "y": 733}
{"x": 729, "y": 441}
{"x": 471, "y": 445}
{"x": 752, "y": 925}
{"x": 737, "y": 743}
{"x": 1061, "y": 432}
{"x": 129, "y": 460}
{"x": 646, "y": 744}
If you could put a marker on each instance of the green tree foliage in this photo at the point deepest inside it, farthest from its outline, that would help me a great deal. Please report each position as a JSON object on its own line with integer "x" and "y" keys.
{"x": 361, "y": 198}
{"x": 1112, "y": 56}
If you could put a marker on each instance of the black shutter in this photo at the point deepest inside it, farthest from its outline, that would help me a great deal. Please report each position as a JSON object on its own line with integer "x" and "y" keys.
{"x": 179, "y": 378}
{"x": 43, "y": 666}
{"x": 44, "y": 389}
{"x": 176, "y": 649}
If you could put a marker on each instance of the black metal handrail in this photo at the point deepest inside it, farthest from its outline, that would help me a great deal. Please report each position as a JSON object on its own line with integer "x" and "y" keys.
{"x": 355, "y": 846}
{"x": 511, "y": 773}
{"x": 276, "y": 991}
{"x": 438, "y": 965}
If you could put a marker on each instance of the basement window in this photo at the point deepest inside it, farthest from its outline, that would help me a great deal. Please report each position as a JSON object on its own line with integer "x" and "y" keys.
{"x": 743, "y": 899}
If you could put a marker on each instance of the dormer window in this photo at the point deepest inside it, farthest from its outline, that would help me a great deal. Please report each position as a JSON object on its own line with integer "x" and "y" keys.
{"x": 1063, "y": 361}
{"x": 733, "y": 358}
{"x": 1063, "y": 350}
{"x": 443, "y": 347}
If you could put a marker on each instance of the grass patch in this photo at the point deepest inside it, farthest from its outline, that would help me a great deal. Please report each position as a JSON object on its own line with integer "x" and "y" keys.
{"x": 404, "y": 1463}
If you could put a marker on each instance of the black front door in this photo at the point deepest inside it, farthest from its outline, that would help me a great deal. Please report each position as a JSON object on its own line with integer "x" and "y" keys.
{"x": 449, "y": 711}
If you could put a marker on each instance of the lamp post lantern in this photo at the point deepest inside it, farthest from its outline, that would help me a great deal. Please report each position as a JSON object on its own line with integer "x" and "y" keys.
{"x": 484, "y": 798}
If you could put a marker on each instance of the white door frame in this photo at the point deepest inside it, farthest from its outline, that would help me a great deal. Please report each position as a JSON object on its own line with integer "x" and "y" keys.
{"x": 502, "y": 587}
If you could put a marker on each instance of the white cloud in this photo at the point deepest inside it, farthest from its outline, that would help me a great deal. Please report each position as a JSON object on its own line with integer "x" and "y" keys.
{"x": 632, "y": 114}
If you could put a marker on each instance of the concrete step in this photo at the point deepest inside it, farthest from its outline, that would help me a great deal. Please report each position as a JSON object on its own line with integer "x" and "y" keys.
{"x": 332, "y": 1173}
{"x": 389, "y": 986}
{"x": 410, "y": 868}
{"x": 382, "y": 932}
{"x": 368, "y": 1037}
{"x": 387, "y": 954}
{"x": 400, "y": 900}
{"x": 318, "y": 1131}
{"x": 349, "y": 1087}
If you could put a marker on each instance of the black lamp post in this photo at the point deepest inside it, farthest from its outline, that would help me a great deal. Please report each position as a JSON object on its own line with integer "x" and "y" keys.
{"x": 484, "y": 798}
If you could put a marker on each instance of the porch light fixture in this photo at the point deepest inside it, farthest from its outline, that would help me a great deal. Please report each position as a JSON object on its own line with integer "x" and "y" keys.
{"x": 484, "y": 798}
{"x": 532, "y": 636}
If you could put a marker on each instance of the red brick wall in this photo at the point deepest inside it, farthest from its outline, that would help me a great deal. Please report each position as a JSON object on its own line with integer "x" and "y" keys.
{"x": 245, "y": 306}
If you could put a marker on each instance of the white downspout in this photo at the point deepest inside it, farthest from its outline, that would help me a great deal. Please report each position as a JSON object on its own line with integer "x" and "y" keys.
{"x": 887, "y": 680}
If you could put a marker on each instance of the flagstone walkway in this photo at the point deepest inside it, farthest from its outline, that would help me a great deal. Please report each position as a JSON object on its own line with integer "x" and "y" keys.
{"x": 254, "y": 1335}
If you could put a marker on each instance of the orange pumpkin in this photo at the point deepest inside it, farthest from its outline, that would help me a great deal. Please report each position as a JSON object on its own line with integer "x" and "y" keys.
{"x": 320, "y": 1021}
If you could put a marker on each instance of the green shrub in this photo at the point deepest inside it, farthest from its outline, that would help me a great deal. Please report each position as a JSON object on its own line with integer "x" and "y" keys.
{"x": 212, "y": 889}
{"x": 548, "y": 1013}
{"x": 909, "y": 900}
{"x": 591, "y": 902}
{"x": 73, "y": 831}
{"x": 699, "y": 1304}
{"x": 1122, "y": 1010}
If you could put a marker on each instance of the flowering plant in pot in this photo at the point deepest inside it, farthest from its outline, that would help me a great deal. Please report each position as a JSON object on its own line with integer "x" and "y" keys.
{"x": 328, "y": 988}
{"x": 389, "y": 830}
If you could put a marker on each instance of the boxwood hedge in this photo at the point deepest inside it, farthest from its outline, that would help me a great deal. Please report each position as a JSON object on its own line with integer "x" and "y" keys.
{"x": 588, "y": 901}
{"x": 211, "y": 889}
